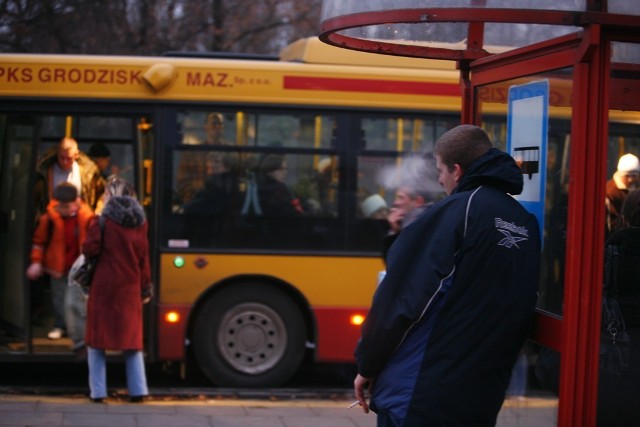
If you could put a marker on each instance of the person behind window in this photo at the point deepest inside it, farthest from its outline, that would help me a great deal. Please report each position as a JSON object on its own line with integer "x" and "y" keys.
{"x": 192, "y": 169}
{"x": 326, "y": 186}
{"x": 214, "y": 129}
{"x": 624, "y": 179}
{"x": 213, "y": 207}
{"x": 215, "y": 198}
{"x": 618, "y": 392}
{"x": 375, "y": 207}
{"x": 274, "y": 195}
{"x": 101, "y": 156}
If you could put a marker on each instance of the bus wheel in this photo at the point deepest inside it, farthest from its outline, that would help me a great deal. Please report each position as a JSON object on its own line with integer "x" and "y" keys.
{"x": 249, "y": 336}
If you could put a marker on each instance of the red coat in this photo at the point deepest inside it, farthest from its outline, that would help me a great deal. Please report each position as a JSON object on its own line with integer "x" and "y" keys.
{"x": 121, "y": 279}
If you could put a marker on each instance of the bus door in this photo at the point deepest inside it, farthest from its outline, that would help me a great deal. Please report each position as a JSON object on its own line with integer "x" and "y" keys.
{"x": 17, "y": 136}
{"x": 120, "y": 144}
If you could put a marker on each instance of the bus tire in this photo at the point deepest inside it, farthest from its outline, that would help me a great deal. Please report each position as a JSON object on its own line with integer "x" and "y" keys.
{"x": 249, "y": 336}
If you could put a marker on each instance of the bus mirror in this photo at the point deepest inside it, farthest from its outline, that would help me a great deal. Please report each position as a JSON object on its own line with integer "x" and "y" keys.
{"x": 159, "y": 76}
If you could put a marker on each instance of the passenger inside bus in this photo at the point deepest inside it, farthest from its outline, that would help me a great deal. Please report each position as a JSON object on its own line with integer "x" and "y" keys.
{"x": 326, "y": 183}
{"x": 374, "y": 207}
{"x": 213, "y": 128}
{"x": 192, "y": 169}
{"x": 273, "y": 194}
{"x": 624, "y": 179}
{"x": 214, "y": 206}
{"x": 220, "y": 187}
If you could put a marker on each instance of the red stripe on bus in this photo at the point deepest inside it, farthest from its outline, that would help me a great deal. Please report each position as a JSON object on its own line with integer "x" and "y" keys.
{"x": 371, "y": 86}
{"x": 171, "y": 336}
{"x": 337, "y": 337}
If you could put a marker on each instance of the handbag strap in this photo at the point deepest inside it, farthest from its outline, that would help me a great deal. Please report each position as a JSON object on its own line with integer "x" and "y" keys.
{"x": 101, "y": 221}
{"x": 611, "y": 270}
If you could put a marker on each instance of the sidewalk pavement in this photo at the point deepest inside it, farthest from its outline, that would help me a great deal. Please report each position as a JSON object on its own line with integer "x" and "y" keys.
{"x": 74, "y": 410}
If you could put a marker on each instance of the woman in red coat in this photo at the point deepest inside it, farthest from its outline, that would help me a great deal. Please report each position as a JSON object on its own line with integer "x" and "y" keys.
{"x": 120, "y": 286}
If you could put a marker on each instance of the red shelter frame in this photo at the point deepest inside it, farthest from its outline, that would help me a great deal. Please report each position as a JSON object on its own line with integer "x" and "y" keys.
{"x": 576, "y": 334}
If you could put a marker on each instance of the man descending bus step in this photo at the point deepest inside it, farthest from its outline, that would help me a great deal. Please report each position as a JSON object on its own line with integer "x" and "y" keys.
{"x": 449, "y": 319}
{"x": 66, "y": 163}
{"x": 119, "y": 288}
{"x": 57, "y": 240}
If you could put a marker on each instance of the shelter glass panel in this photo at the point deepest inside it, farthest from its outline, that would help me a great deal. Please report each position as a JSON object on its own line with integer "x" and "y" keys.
{"x": 619, "y": 368}
{"x": 493, "y": 116}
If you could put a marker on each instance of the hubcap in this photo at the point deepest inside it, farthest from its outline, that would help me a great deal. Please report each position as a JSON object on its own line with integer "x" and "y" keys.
{"x": 252, "y": 338}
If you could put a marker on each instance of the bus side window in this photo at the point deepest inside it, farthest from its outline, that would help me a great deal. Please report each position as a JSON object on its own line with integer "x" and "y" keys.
{"x": 206, "y": 128}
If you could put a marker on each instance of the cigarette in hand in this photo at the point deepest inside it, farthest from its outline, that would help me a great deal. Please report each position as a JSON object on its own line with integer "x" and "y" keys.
{"x": 354, "y": 404}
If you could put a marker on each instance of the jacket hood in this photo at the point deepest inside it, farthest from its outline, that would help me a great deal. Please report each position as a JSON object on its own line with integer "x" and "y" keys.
{"x": 495, "y": 169}
{"x": 124, "y": 210}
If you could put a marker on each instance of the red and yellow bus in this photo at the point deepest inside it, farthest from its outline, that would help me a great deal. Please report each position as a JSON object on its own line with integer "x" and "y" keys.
{"x": 245, "y": 291}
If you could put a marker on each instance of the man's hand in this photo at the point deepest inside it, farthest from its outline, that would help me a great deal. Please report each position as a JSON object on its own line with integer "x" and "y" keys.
{"x": 359, "y": 385}
{"x": 34, "y": 271}
{"x": 395, "y": 217}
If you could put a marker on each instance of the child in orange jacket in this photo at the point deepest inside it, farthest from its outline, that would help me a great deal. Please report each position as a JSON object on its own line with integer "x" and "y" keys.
{"x": 57, "y": 242}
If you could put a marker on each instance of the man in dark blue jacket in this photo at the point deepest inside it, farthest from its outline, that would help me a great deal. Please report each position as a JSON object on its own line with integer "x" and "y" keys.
{"x": 450, "y": 317}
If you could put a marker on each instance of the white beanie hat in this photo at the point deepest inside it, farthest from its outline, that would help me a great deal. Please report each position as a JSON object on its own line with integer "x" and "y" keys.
{"x": 629, "y": 163}
{"x": 372, "y": 204}
{"x": 324, "y": 164}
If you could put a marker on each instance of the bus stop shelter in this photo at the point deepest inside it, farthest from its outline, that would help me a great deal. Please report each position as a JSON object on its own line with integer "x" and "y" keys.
{"x": 565, "y": 76}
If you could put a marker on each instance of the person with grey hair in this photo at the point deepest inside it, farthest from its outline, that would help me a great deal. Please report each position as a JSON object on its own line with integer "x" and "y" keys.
{"x": 456, "y": 305}
{"x": 415, "y": 182}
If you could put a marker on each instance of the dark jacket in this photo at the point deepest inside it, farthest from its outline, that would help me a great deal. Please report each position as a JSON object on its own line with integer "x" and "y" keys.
{"x": 613, "y": 202}
{"x": 627, "y": 271}
{"x": 455, "y": 307}
{"x": 121, "y": 278}
{"x": 275, "y": 198}
{"x": 618, "y": 393}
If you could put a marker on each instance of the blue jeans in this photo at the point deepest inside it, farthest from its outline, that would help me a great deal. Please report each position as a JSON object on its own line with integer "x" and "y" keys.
{"x": 58, "y": 295}
{"x": 75, "y": 312}
{"x": 518, "y": 382}
{"x": 136, "y": 376}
